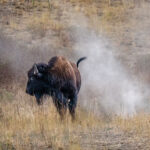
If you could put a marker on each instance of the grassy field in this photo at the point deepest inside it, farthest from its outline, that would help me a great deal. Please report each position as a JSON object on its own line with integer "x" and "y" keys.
{"x": 34, "y": 30}
{"x": 24, "y": 125}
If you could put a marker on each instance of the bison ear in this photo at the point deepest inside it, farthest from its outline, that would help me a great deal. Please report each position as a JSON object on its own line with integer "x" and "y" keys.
{"x": 35, "y": 69}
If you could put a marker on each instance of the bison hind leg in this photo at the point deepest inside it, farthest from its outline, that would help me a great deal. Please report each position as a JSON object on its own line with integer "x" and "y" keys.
{"x": 72, "y": 106}
{"x": 61, "y": 109}
{"x": 60, "y": 103}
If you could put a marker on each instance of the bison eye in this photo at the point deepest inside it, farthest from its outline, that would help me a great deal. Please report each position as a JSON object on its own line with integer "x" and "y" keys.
{"x": 39, "y": 75}
{"x": 32, "y": 78}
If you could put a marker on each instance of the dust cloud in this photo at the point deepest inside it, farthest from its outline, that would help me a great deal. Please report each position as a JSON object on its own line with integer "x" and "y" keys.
{"x": 107, "y": 87}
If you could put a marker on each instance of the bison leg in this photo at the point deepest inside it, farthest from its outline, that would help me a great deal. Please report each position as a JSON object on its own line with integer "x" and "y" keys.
{"x": 72, "y": 106}
{"x": 60, "y": 108}
{"x": 39, "y": 99}
{"x": 60, "y": 103}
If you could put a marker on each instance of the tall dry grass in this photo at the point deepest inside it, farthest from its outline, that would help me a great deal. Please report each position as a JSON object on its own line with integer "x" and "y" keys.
{"x": 42, "y": 23}
{"x": 24, "y": 125}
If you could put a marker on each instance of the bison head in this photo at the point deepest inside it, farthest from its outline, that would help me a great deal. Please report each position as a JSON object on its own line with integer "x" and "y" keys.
{"x": 37, "y": 84}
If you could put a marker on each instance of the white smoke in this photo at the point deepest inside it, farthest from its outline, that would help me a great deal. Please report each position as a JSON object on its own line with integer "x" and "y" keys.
{"x": 106, "y": 86}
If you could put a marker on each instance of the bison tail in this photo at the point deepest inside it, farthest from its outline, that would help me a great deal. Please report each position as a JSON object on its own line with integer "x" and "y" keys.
{"x": 82, "y": 58}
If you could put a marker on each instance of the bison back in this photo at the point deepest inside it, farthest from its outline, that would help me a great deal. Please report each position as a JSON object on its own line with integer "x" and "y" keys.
{"x": 61, "y": 71}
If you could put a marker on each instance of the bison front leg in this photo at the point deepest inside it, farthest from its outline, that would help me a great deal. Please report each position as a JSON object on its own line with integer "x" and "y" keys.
{"x": 39, "y": 98}
{"x": 72, "y": 106}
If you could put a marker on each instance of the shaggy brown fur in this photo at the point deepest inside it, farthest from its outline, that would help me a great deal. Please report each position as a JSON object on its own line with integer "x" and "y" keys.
{"x": 64, "y": 70}
{"x": 60, "y": 79}
{"x": 66, "y": 79}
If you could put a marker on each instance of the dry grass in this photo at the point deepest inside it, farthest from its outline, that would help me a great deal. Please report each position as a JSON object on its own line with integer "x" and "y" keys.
{"x": 24, "y": 125}
{"x": 105, "y": 16}
{"x": 114, "y": 14}
{"x": 43, "y": 23}
{"x": 139, "y": 124}
{"x": 102, "y": 16}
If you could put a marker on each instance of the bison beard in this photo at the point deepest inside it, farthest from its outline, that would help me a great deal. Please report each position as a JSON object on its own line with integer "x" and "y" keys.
{"x": 60, "y": 79}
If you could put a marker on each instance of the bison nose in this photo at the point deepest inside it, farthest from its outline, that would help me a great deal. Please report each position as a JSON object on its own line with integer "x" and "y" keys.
{"x": 28, "y": 91}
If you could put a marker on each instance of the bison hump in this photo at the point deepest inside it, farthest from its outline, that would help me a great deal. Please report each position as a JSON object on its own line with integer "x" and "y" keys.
{"x": 61, "y": 68}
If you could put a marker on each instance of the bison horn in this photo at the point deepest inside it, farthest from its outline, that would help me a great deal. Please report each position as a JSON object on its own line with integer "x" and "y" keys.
{"x": 35, "y": 69}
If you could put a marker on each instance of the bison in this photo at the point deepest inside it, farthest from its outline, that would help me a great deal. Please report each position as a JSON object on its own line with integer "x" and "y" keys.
{"x": 60, "y": 79}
